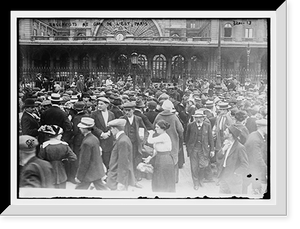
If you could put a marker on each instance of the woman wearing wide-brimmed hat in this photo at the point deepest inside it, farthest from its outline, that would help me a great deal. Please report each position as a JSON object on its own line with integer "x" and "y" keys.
{"x": 55, "y": 151}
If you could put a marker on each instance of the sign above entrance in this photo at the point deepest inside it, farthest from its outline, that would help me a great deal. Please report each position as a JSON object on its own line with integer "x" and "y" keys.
{"x": 134, "y": 27}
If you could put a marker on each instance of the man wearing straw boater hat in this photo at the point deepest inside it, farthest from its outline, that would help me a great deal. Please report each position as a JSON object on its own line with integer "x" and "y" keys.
{"x": 91, "y": 167}
{"x": 200, "y": 147}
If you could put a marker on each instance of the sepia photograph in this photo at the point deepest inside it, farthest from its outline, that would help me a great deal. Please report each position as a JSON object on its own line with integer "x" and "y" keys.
{"x": 143, "y": 109}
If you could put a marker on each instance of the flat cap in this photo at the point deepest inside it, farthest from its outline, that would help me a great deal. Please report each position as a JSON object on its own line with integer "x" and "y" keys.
{"x": 117, "y": 122}
{"x": 103, "y": 99}
{"x": 129, "y": 105}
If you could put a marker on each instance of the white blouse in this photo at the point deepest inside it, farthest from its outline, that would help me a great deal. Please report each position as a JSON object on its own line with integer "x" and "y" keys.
{"x": 161, "y": 143}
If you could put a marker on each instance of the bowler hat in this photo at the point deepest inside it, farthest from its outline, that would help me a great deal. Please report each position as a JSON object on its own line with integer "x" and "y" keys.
{"x": 86, "y": 122}
{"x": 27, "y": 143}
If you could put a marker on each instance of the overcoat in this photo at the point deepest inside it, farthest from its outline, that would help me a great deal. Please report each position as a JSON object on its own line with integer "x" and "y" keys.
{"x": 55, "y": 151}
{"x": 29, "y": 125}
{"x": 56, "y": 116}
{"x": 236, "y": 165}
{"x": 256, "y": 151}
{"x": 145, "y": 119}
{"x": 90, "y": 166}
{"x": 206, "y": 138}
{"x": 175, "y": 130}
{"x": 121, "y": 163}
{"x": 36, "y": 173}
{"x": 100, "y": 127}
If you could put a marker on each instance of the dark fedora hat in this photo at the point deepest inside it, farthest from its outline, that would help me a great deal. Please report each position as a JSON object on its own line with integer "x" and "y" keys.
{"x": 139, "y": 104}
{"x": 29, "y": 102}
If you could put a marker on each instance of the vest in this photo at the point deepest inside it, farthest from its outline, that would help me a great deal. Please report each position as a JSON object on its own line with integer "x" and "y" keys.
{"x": 199, "y": 137}
{"x": 132, "y": 132}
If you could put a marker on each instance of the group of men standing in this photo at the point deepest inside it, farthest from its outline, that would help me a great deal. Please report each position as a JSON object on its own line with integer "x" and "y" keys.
{"x": 217, "y": 134}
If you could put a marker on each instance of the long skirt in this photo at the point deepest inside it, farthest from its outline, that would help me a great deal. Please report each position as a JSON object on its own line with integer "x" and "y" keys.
{"x": 163, "y": 178}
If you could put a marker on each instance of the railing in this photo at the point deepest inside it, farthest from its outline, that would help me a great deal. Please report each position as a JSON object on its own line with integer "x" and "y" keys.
{"x": 65, "y": 76}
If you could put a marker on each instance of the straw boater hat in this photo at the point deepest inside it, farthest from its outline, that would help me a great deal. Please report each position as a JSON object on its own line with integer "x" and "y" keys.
{"x": 199, "y": 113}
{"x": 223, "y": 106}
{"x": 86, "y": 122}
{"x": 55, "y": 97}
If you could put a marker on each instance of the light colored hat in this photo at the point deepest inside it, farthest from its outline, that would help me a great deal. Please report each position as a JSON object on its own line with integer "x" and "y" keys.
{"x": 103, "y": 99}
{"x": 27, "y": 143}
{"x": 86, "y": 122}
{"x": 55, "y": 97}
{"x": 168, "y": 105}
{"x": 117, "y": 122}
{"x": 262, "y": 122}
{"x": 74, "y": 99}
{"x": 223, "y": 106}
{"x": 199, "y": 113}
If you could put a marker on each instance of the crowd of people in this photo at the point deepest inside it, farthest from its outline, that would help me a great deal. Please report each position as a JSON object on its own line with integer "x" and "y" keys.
{"x": 113, "y": 136}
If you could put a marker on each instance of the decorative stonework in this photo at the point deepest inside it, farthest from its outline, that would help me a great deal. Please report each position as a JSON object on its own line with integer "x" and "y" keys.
{"x": 125, "y": 27}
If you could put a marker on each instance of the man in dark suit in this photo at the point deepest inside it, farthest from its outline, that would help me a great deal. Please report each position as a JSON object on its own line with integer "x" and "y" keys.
{"x": 29, "y": 121}
{"x": 120, "y": 173}
{"x": 200, "y": 147}
{"x": 102, "y": 116}
{"x": 91, "y": 167}
{"x": 137, "y": 133}
{"x": 56, "y": 116}
{"x": 139, "y": 105}
{"x": 233, "y": 162}
{"x": 151, "y": 113}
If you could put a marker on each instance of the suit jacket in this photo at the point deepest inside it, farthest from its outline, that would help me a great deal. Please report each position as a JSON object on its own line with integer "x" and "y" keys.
{"x": 29, "y": 125}
{"x": 206, "y": 137}
{"x": 237, "y": 162}
{"x": 77, "y": 135}
{"x": 151, "y": 115}
{"x": 256, "y": 150}
{"x": 138, "y": 124}
{"x": 219, "y": 129}
{"x": 90, "y": 166}
{"x": 56, "y": 116}
{"x": 100, "y": 127}
{"x": 37, "y": 173}
{"x": 121, "y": 163}
{"x": 145, "y": 119}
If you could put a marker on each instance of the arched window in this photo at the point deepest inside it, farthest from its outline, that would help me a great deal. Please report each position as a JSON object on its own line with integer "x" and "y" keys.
{"x": 228, "y": 30}
{"x": 159, "y": 66}
{"x": 143, "y": 62}
{"x": 102, "y": 61}
{"x": 84, "y": 61}
{"x": 178, "y": 66}
{"x": 64, "y": 60}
